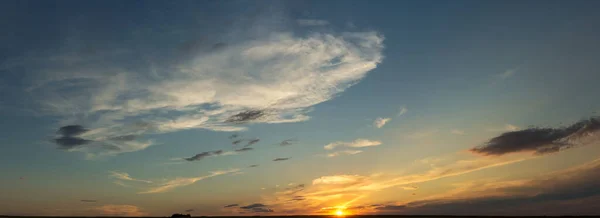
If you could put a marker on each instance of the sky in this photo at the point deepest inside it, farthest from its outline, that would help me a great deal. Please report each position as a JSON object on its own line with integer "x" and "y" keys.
{"x": 149, "y": 108}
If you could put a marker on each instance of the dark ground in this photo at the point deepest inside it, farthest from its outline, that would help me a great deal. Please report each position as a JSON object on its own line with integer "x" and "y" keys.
{"x": 320, "y": 216}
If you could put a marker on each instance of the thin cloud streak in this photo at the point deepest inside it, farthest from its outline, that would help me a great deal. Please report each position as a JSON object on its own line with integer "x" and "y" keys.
{"x": 182, "y": 181}
{"x": 358, "y": 143}
{"x": 126, "y": 176}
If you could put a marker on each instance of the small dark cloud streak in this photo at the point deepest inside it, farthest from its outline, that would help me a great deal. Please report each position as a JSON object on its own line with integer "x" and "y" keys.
{"x": 257, "y": 208}
{"x": 245, "y": 116}
{"x": 540, "y": 140}
{"x": 203, "y": 155}
{"x": 281, "y": 159}
{"x": 68, "y": 137}
{"x": 244, "y": 149}
{"x": 89, "y": 201}
{"x": 251, "y": 142}
{"x": 231, "y": 205}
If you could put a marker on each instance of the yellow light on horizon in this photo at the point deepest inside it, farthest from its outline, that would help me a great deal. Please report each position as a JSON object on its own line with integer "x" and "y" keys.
{"x": 339, "y": 213}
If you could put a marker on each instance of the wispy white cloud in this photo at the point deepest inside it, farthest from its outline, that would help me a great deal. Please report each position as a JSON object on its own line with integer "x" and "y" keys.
{"x": 184, "y": 181}
{"x": 380, "y": 122}
{"x": 205, "y": 89}
{"x": 126, "y": 176}
{"x": 358, "y": 143}
{"x": 507, "y": 127}
{"x": 312, "y": 22}
{"x": 344, "y": 152}
{"x": 508, "y": 73}
{"x": 402, "y": 111}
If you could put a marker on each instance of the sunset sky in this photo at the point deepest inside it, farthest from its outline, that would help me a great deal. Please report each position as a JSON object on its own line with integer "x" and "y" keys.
{"x": 149, "y": 108}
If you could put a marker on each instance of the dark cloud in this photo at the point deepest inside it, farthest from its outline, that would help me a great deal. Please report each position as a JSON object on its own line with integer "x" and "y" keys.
{"x": 281, "y": 159}
{"x": 251, "y": 142}
{"x": 287, "y": 142}
{"x": 232, "y": 136}
{"x": 231, "y": 205}
{"x": 391, "y": 207}
{"x": 262, "y": 210}
{"x": 298, "y": 198}
{"x": 540, "y": 140}
{"x": 202, "y": 155}
{"x": 294, "y": 190}
{"x": 257, "y": 208}
{"x": 569, "y": 192}
{"x": 244, "y": 149}
{"x": 68, "y": 137}
{"x": 68, "y": 142}
{"x": 245, "y": 116}
{"x": 237, "y": 141}
{"x": 89, "y": 201}
{"x": 255, "y": 205}
{"x": 189, "y": 210}
{"x": 71, "y": 130}
{"x": 254, "y": 165}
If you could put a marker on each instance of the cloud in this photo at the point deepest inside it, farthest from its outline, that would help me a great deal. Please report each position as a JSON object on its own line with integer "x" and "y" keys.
{"x": 251, "y": 142}
{"x": 71, "y": 130}
{"x": 189, "y": 210}
{"x": 281, "y": 159}
{"x": 244, "y": 149}
{"x": 236, "y": 142}
{"x": 507, "y": 74}
{"x": 233, "y": 136}
{"x": 287, "y": 142}
{"x": 121, "y": 210}
{"x": 277, "y": 76}
{"x": 231, "y": 205}
{"x": 245, "y": 116}
{"x": 358, "y": 143}
{"x": 254, "y": 165}
{"x": 125, "y": 176}
{"x": 183, "y": 181}
{"x": 507, "y": 127}
{"x": 542, "y": 140}
{"x": 566, "y": 192}
{"x": 257, "y": 208}
{"x": 205, "y": 154}
{"x": 68, "y": 137}
{"x": 310, "y": 22}
{"x": 457, "y": 132}
{"x": 89, "y": 201}
{"x": 339, "y": 180}
{"x": 409, "y": 188}
{"x": 402, "y": 111}
{"x": 380, "y": 122}
{"x": 344, "y": 189}
{"x": 345, "y": 152}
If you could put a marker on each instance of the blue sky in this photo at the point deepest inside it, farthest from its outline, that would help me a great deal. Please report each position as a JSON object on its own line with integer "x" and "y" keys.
{"x": 104, "y": 101}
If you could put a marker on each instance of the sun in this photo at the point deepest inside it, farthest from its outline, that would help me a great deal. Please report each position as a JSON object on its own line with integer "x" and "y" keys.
{"x": 339, "y": 213}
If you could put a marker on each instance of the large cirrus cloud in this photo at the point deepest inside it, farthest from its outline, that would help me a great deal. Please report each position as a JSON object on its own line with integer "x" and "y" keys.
{"x": 275, "y": 78}
{"x": 542, "y": 140}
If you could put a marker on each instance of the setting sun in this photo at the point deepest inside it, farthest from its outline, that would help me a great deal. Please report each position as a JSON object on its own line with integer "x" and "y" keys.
{"x": 339, "y": 213}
